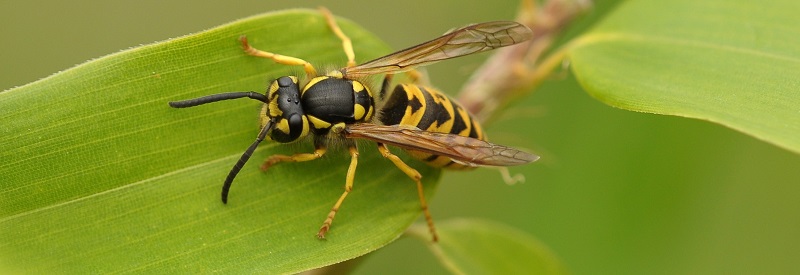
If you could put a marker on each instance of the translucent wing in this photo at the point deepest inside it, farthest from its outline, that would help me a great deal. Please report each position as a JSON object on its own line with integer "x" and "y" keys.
{"x": 464, "y": 150}
{"x": 460, "y": 42}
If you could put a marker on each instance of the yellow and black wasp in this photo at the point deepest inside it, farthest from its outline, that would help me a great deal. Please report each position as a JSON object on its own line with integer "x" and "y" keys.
{"x": 339, "y": 106}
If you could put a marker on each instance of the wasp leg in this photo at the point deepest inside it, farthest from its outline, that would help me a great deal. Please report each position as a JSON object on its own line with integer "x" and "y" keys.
{"x": 415, "y": 76}
{"x": 280, "y": 59}
{"x": 275, "y": 159}
{"x": 387, "y": 80}
{"x": 346, "y": 43}
{"x": 414, "y": 175}
{"x": 508, "y": 178}
{"x": 348, "y": 186}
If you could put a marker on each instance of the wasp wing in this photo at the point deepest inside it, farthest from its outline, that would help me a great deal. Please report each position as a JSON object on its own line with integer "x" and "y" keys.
{"x": 465, "y": 150}
{"x": 460, "y": 42}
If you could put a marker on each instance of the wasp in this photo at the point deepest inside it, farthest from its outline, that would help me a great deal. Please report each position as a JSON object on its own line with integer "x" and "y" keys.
{"x": 338, "y": 107}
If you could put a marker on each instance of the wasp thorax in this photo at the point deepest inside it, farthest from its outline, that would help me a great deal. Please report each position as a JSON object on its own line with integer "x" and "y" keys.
{"x": 330, "y": 100}
{"x": 286, "y": 110}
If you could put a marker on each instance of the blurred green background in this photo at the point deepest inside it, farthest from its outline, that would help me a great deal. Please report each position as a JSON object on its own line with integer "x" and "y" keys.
{"x": 615, "y": 192}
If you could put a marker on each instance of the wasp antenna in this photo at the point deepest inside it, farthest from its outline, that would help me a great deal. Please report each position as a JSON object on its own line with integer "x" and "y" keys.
{"x": 217, "y": 97}
{"x": 242, "y": 160}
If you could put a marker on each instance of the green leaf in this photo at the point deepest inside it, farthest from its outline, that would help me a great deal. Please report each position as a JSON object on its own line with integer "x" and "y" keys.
{"x": 100, "y": 175}
{"x": 735, "y": 63}
{"x": 474, "y": 246}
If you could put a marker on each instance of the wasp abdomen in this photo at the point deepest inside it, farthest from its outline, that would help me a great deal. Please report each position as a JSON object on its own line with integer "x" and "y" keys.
{"x": 432, "y": 111}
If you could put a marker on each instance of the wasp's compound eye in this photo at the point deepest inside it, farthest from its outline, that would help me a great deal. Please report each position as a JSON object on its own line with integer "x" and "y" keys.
{"x": 296, "y": 126}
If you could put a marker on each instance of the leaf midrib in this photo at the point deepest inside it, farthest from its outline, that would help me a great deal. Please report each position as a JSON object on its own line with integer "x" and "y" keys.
{"x": 604, "y": 37}
{"x": 228, "y": 158}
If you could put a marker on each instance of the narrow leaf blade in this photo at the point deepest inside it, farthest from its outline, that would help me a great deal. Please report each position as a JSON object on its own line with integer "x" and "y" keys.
{"x": 730, "y": 62}
{"x": 473, "y": 246}
{"x": 100, "y": 175}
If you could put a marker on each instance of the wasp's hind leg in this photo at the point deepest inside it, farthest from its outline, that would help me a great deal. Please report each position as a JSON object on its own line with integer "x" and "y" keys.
{"x": 416, "y": 176}
{"x": 387, "y": 81}
{"x": 346, "y": 43}
{"x": 280, "y": 59}
{"x": 414, "y": 76}
{"x": 417, "y": 77}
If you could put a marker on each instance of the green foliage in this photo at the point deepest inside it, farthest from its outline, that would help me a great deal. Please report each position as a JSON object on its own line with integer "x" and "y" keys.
{"x": 735, "y": 63}
{"x": 472, "y": 246}
{"x": 100, "y": 175}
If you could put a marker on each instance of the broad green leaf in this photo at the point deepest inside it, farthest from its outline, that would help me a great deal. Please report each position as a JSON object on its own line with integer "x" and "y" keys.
{"x": 472, "y": 246}
{"x": 100, "y": 175}
{"x": 736, "y": 63}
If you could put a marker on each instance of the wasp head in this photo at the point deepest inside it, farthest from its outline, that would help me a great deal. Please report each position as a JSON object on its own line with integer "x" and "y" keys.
{"x": 285, "y": 110}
